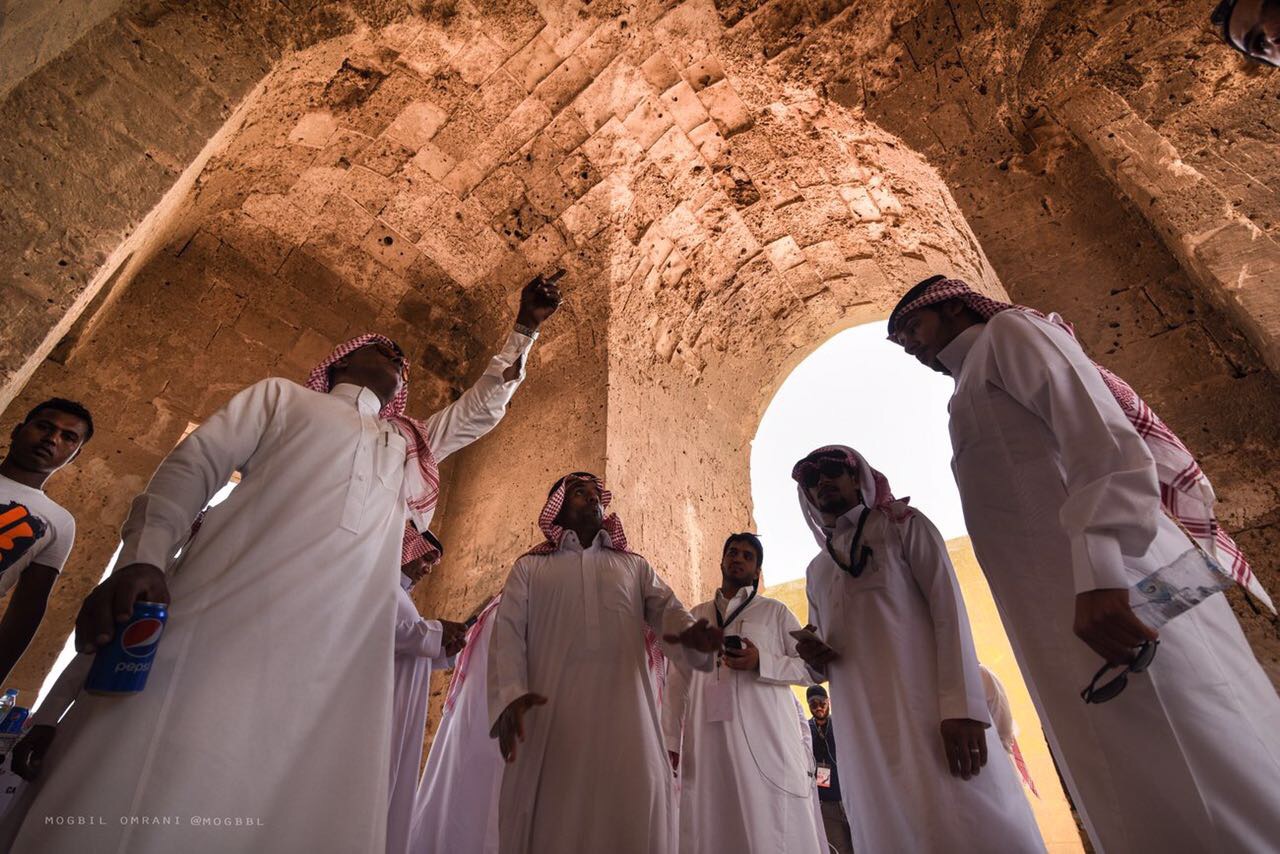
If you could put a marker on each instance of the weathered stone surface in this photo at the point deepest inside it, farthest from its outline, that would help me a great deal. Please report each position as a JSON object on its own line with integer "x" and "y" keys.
{"x": 726, "y": 184}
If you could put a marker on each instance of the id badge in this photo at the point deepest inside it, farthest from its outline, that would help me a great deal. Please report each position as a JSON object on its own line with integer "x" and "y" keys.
{"x": 719, "y": 698}
{"x": 824, "y": 776}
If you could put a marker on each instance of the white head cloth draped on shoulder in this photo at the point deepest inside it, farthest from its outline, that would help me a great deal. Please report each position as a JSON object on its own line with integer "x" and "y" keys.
{"x": 1185, "y": 491}
{"x": 421, "y": 473}
{"x": 873, "y": 485}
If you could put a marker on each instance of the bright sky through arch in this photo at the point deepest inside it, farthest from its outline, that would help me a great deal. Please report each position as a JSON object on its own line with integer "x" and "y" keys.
{"x": 860, "y": 390}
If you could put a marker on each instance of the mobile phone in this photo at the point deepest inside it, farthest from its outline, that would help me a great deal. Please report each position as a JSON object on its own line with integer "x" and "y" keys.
{"x": 806, "y": 635}
{"x": 733, "y": 642}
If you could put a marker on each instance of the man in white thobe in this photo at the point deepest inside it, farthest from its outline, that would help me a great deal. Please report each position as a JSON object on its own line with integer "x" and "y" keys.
{"x": 571, "y": 699}
{"x": 421, "y": 646}
{"x": 744, "y": 773}
{"x": 891, "y": 634}
{"x": 457, "y": 801}
{"x": 269, "y": 700}
{"x": 1061, "y": 469}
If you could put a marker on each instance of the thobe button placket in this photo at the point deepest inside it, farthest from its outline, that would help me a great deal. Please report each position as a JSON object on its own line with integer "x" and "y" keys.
{"x": 591, "y": 596}
{"x": 355, "y": 502}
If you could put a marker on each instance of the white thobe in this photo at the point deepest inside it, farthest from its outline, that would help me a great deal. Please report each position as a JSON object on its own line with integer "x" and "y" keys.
{"x": 998, "y": 706}
{"x": 418, "y": 650}
{"x": 457, "y": 803}
{"x": 745, "y": 776}
{"x": 906, "y": 663}
{"x": 1060, "y": 497}
{"x": 592, "y": 774}
{"x": 280, "y": 638}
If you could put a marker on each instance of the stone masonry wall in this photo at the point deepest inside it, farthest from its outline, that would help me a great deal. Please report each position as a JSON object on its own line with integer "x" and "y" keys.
{"x": 727, "y": 184}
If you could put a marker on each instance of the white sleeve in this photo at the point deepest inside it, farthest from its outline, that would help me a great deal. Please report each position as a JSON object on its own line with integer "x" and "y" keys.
{"x": 420, "y": 638}
{"x": 1113, "y": 496}
{"x": 666, "y": 615}
{"x": 787, "y": 668}
{"x": 674, "y": 703}
{"x": 160, "y": 519}
{"x": 998, "y": 705}
{"x": 479, "y": 409}
{"x": 816, "y": 620}
{"x": 960, "y": 691}
{"x": 507, "y": 672}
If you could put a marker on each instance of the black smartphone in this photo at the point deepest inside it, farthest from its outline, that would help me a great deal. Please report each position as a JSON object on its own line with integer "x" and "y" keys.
{"x": 732, "y": 642}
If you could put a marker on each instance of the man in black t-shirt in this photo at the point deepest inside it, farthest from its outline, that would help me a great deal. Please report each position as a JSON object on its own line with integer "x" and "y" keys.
{"x": 834, "y": 821}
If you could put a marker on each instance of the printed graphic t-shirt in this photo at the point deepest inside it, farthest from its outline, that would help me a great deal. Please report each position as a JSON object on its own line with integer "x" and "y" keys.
{"x": 33, "y": 529}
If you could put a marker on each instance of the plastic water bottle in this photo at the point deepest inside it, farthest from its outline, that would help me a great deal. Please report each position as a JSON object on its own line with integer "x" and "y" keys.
{"x": 7, "y": 742}
{"x": 7, "y": 702}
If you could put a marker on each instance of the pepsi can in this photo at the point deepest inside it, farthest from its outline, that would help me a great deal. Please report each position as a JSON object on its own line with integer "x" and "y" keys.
{"x": 122, "y": 666}
{"x": 14, "y": 720}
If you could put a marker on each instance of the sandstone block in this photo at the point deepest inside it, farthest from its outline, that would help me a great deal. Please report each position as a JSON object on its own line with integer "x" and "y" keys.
{"x": 314, "y": 129}
{"x": 532, "y": 63}
{"x": 417, "y": 124}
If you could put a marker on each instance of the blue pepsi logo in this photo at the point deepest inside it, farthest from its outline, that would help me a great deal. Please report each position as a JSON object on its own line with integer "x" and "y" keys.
{"x": 140, "y": 638}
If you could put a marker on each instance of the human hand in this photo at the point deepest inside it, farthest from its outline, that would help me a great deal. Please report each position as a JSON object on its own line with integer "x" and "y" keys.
{"x": 747, "y": 658}
{"x": 1108, "y": 625}
{"x": 454, "y": 636}
{"x": 815, "y": 653}
{"x": 29, "y": 752}
{"x": 112, "y": 602}
{"x": 510, "y": 726}
{"x": 700, "y": 636}
{"x": 964, "y": 742}
{"x": 539, "y": 300}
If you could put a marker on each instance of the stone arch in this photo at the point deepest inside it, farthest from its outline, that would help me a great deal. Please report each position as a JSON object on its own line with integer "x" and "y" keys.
{"x": 490, "y": 140}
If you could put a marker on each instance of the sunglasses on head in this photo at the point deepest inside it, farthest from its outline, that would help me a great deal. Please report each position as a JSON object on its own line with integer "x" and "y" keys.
{"x": 1109, "y": 690}
{"x": 815, "y": 469}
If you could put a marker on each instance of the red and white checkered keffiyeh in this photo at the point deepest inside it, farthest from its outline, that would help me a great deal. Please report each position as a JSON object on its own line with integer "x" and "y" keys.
{"x": 1185, "y": 491}
{"x": 421, "y": 473}
{"x": 555, "y": 534}
{"x": 1021, "y": 764}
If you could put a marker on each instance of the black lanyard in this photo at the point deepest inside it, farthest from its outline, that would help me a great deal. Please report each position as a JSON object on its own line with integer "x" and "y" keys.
{"x": 722, "y": 622}
{"x": 856, "y": 564}
{"x": 822, "y": 733}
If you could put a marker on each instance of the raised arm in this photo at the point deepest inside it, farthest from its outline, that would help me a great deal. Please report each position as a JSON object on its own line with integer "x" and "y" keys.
{"x": 482, "y": 406}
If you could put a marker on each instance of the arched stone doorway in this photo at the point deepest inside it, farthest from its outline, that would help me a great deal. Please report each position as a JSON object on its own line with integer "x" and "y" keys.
{"x": 406, "y": 168}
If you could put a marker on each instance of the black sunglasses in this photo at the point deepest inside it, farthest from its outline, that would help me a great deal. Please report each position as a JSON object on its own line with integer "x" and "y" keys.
{"x": 1096, "y": 693}
{"x": 815, "y": 469}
